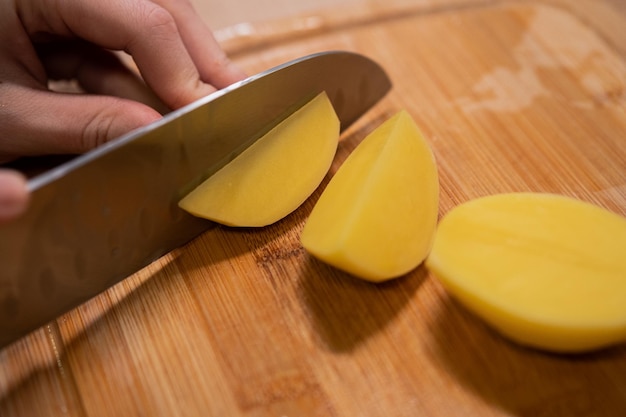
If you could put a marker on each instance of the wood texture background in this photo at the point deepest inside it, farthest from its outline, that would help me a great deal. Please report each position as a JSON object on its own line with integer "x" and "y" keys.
{"x": 512, "y": 96}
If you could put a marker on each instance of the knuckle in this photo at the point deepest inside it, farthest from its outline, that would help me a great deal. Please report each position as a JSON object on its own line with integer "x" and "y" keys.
{"x": 158, "y": 21}
{"x": 97, "y": 130}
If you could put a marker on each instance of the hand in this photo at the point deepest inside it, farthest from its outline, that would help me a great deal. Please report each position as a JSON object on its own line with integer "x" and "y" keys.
{"x": 42, "y": 40}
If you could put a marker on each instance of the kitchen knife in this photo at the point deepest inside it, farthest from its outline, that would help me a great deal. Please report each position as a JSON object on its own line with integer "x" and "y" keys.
{"x": 104, "y": 215}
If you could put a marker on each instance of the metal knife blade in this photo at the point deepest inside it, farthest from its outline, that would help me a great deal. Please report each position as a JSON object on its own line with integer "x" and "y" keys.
{"x": 98, "y": 218}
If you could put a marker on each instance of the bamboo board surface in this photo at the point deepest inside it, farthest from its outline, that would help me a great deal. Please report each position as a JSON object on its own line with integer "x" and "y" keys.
{"x": 512, "y": 96}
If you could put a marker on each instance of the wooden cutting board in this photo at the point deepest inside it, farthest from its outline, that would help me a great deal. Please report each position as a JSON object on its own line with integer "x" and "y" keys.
{"x": 512, "y": 96}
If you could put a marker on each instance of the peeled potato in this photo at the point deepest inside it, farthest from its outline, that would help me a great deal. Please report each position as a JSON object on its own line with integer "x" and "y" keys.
{"x": 377, "y": 216}
{"x": 275, "y": 175}
{"x": 546, "y": 271}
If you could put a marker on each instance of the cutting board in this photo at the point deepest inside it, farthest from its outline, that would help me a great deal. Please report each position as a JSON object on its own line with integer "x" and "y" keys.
{"x": 512, "y": 96}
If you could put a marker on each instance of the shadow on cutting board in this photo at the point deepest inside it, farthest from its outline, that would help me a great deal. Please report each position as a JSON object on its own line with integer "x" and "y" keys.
{"x": 346, "y": 311}
{"x": 523, "y": 381}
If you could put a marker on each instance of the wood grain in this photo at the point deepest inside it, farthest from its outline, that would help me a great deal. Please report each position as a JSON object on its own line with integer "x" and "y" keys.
{"x": 512, "y": 96}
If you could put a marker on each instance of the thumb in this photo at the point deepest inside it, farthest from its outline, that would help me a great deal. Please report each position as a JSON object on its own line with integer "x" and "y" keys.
{"x": 43, "y": 122}
{"x": 13, "y": 195}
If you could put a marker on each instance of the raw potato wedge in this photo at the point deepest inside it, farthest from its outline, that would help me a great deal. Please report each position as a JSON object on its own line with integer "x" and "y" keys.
{"x": 377, "y": 216}
{"x": 275, "y": 175}
{"x": 547, "y": 271}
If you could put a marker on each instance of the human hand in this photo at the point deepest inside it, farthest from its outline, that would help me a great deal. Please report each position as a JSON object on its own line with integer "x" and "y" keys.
{"x": 42, "y": 40}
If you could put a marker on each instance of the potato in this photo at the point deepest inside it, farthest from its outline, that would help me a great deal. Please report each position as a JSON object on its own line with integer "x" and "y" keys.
{"x": 377, "y": 216}
{"x": 275, "y": 175}
{"x": 545, "y": 270}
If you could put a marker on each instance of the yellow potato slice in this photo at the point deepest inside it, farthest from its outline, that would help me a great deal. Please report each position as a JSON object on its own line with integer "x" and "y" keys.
{"x": 377, "y": 216}
{"x": 545, "y": 270}
{"x": 275, "y": 175}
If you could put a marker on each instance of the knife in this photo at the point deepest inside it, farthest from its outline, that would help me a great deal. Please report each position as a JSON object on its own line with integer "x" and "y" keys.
{"x": 102, "y": 216}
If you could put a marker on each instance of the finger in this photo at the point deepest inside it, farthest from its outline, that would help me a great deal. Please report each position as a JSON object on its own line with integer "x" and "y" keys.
{"x": 97, "y": 71}
{"x": 144, "y": 29}
{"x": 41, "y": 122}
{"x": 212, "y": 62}
{"x": 13, "y": 195}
